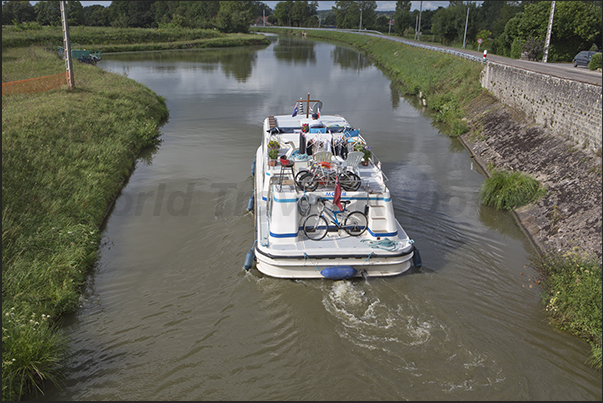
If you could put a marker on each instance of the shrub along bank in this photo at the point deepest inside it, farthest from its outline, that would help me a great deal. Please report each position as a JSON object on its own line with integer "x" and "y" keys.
{"x": 571, "y": 280}
{"x": 65, "y": 155}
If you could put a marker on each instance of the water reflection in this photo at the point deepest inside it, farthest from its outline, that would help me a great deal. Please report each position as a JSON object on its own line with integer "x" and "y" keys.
{"x": 290, "y": 50}
{"x": 236, "y": 62}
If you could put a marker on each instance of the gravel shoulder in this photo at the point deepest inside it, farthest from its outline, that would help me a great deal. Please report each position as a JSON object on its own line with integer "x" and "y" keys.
{"x": 569, "y": 216}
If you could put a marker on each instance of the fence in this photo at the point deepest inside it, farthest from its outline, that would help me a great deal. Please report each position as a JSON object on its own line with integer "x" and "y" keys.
{"x": 38, "y": 84}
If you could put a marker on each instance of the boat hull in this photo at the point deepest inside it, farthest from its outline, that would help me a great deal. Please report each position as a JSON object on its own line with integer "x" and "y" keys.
{"x": 369, "y": 264}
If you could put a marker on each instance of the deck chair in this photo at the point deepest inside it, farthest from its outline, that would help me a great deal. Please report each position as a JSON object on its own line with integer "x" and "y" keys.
{"x": 353, "y": 159}
{"x": 322, "y": 156}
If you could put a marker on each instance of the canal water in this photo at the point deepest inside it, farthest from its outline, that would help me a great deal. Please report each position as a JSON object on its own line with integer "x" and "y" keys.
{"x": 169, "y": 313}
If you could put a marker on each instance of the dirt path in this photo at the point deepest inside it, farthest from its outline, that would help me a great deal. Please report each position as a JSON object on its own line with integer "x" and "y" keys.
{"x": 570, "y": 215}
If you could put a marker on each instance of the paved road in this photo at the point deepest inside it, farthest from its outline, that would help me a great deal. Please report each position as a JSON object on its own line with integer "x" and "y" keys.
{"x": 562, "y": 70}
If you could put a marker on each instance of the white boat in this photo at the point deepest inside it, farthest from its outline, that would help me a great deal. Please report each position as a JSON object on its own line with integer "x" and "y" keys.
{"x": 291, "y": 238}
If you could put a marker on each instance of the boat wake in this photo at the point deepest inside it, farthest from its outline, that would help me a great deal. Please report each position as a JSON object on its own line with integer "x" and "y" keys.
{"x": 401, "y": 334}
{"x": 366, "y": 321}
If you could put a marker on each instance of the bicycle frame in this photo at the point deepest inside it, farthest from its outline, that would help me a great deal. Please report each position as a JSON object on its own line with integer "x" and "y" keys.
{"x": 332, "y": 214}
{"x": 316, "y": 226}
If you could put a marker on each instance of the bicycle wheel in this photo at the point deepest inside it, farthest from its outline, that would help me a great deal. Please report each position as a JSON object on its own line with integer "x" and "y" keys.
{"x": 315, "y": 227}
{"x": 350, "y": 181}
{"x": 301, "y": 172}
{"x": 303, "y": 205}
{"x": 355, "y": 224}
{"x": 307, "y": 182}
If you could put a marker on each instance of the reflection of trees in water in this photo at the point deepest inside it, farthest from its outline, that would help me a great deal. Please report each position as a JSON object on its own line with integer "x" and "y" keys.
{"x": 295, "y": 50}
{"x": 395, "y": 94}
{"x": 236, "y": 62}
{"x": 239, "y": 65}
{"x": 349, "y": 59}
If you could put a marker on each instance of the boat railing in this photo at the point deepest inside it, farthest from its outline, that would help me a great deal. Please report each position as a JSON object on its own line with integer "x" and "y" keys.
{"x": 377, "y": 162}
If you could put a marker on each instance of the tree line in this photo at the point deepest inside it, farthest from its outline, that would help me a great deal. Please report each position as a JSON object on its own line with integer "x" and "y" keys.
{"x": 506, "y": 28}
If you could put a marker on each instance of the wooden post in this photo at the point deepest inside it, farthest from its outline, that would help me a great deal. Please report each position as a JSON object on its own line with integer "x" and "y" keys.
{"x": 308, "y": 104}
{"x": 67, "y": 47}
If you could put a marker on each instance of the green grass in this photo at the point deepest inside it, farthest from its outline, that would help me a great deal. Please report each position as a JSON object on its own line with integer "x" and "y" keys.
{"x": 510, "y": 190}
{"x": 65, "y": 155}
{"x": 572, "y": 293}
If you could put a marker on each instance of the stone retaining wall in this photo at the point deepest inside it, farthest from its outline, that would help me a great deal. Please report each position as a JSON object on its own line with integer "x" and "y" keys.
{"x": 569, "y": 108}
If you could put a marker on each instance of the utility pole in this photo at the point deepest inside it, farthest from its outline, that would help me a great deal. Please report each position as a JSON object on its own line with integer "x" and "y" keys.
{"x": 67, "y": 47}
{"x": 416, "y": 25}
{"x": 466, "y": 22}
{"x": 419, "y": 31}
{"x": 548, "y": 34}
{"x": 360, "y": 29}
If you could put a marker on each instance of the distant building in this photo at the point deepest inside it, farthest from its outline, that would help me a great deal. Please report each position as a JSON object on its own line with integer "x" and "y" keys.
{"x": 261, "y": 21}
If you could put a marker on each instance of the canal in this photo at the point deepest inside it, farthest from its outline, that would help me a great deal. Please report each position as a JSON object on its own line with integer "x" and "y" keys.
{"x": 169, "y": 313}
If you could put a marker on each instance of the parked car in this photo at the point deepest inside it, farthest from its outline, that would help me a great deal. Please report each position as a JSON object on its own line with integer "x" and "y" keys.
{"x": 583, "y": 58}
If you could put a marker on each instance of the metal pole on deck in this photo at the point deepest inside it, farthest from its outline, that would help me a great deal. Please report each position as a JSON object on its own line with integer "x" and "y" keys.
{"x": 67, "y": 43}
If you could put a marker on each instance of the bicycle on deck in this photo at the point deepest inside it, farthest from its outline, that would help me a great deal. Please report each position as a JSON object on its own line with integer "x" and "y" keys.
{"x": 316, "y": 226}
{"x": 322, "y": 174}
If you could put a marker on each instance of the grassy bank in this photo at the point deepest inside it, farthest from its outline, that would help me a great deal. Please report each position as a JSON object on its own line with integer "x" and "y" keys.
{"x": 571, "y": 282}
{"x": 125, "y": 39}
{"x": 65, "y": 154}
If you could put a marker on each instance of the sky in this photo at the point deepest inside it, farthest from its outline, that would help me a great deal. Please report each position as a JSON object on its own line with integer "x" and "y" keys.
{"x": 326, "y": 5}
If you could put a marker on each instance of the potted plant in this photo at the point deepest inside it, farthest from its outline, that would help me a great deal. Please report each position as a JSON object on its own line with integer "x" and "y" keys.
{"x": 274, "y": 145}
{"x": 273, "y": 155}
{"x": 365, "y": 150}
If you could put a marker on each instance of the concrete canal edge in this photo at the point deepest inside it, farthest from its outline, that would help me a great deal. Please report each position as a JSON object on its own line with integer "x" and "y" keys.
{"x": 569, "y": 217}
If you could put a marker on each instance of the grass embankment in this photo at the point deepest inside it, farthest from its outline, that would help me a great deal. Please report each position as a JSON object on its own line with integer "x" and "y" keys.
{"x": 571, "y": 281}
{"x": 126, "y": 39}
{"x": 65, "y": 155}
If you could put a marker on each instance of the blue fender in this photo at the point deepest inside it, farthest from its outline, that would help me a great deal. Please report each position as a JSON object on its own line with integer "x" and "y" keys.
{"x": 338, "y": 272}
{"x": 416, "y": 259}
{"x": 250, "y": 203}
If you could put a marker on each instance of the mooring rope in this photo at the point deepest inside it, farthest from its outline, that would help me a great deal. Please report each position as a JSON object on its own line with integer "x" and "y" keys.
{"x": 386, "y": 244}
{"x": 306, "y": 257}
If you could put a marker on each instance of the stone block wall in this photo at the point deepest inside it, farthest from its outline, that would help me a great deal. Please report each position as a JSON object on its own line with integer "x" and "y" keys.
{"x": 569, "y": 108}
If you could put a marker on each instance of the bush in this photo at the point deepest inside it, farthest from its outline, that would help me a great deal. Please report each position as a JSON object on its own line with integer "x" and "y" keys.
{"x": 595, "y": 61}
{"x": 572, "y": 293}
{"x": 510, "y": 190}
{"x": 516, "y": 48}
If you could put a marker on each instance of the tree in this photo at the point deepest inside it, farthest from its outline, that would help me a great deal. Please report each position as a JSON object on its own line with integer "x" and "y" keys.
{"x": 96, "y": 16}
{"x": 75, "y": 13}
{"x": 19, "y": 11}
{"x": 449, "y": 23}
{"x": 282, "y": 12}
{"x": 443, "y": 25}
{"x": 135, "y": 14}
{"x": 199, "y": 14}
{"x": 348, "y": 13}
{"x": 235, "y": 16}
{"x": 403, "y": 19}
{"x": 576, "y": 26}
{"x": 48, "y": 13}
